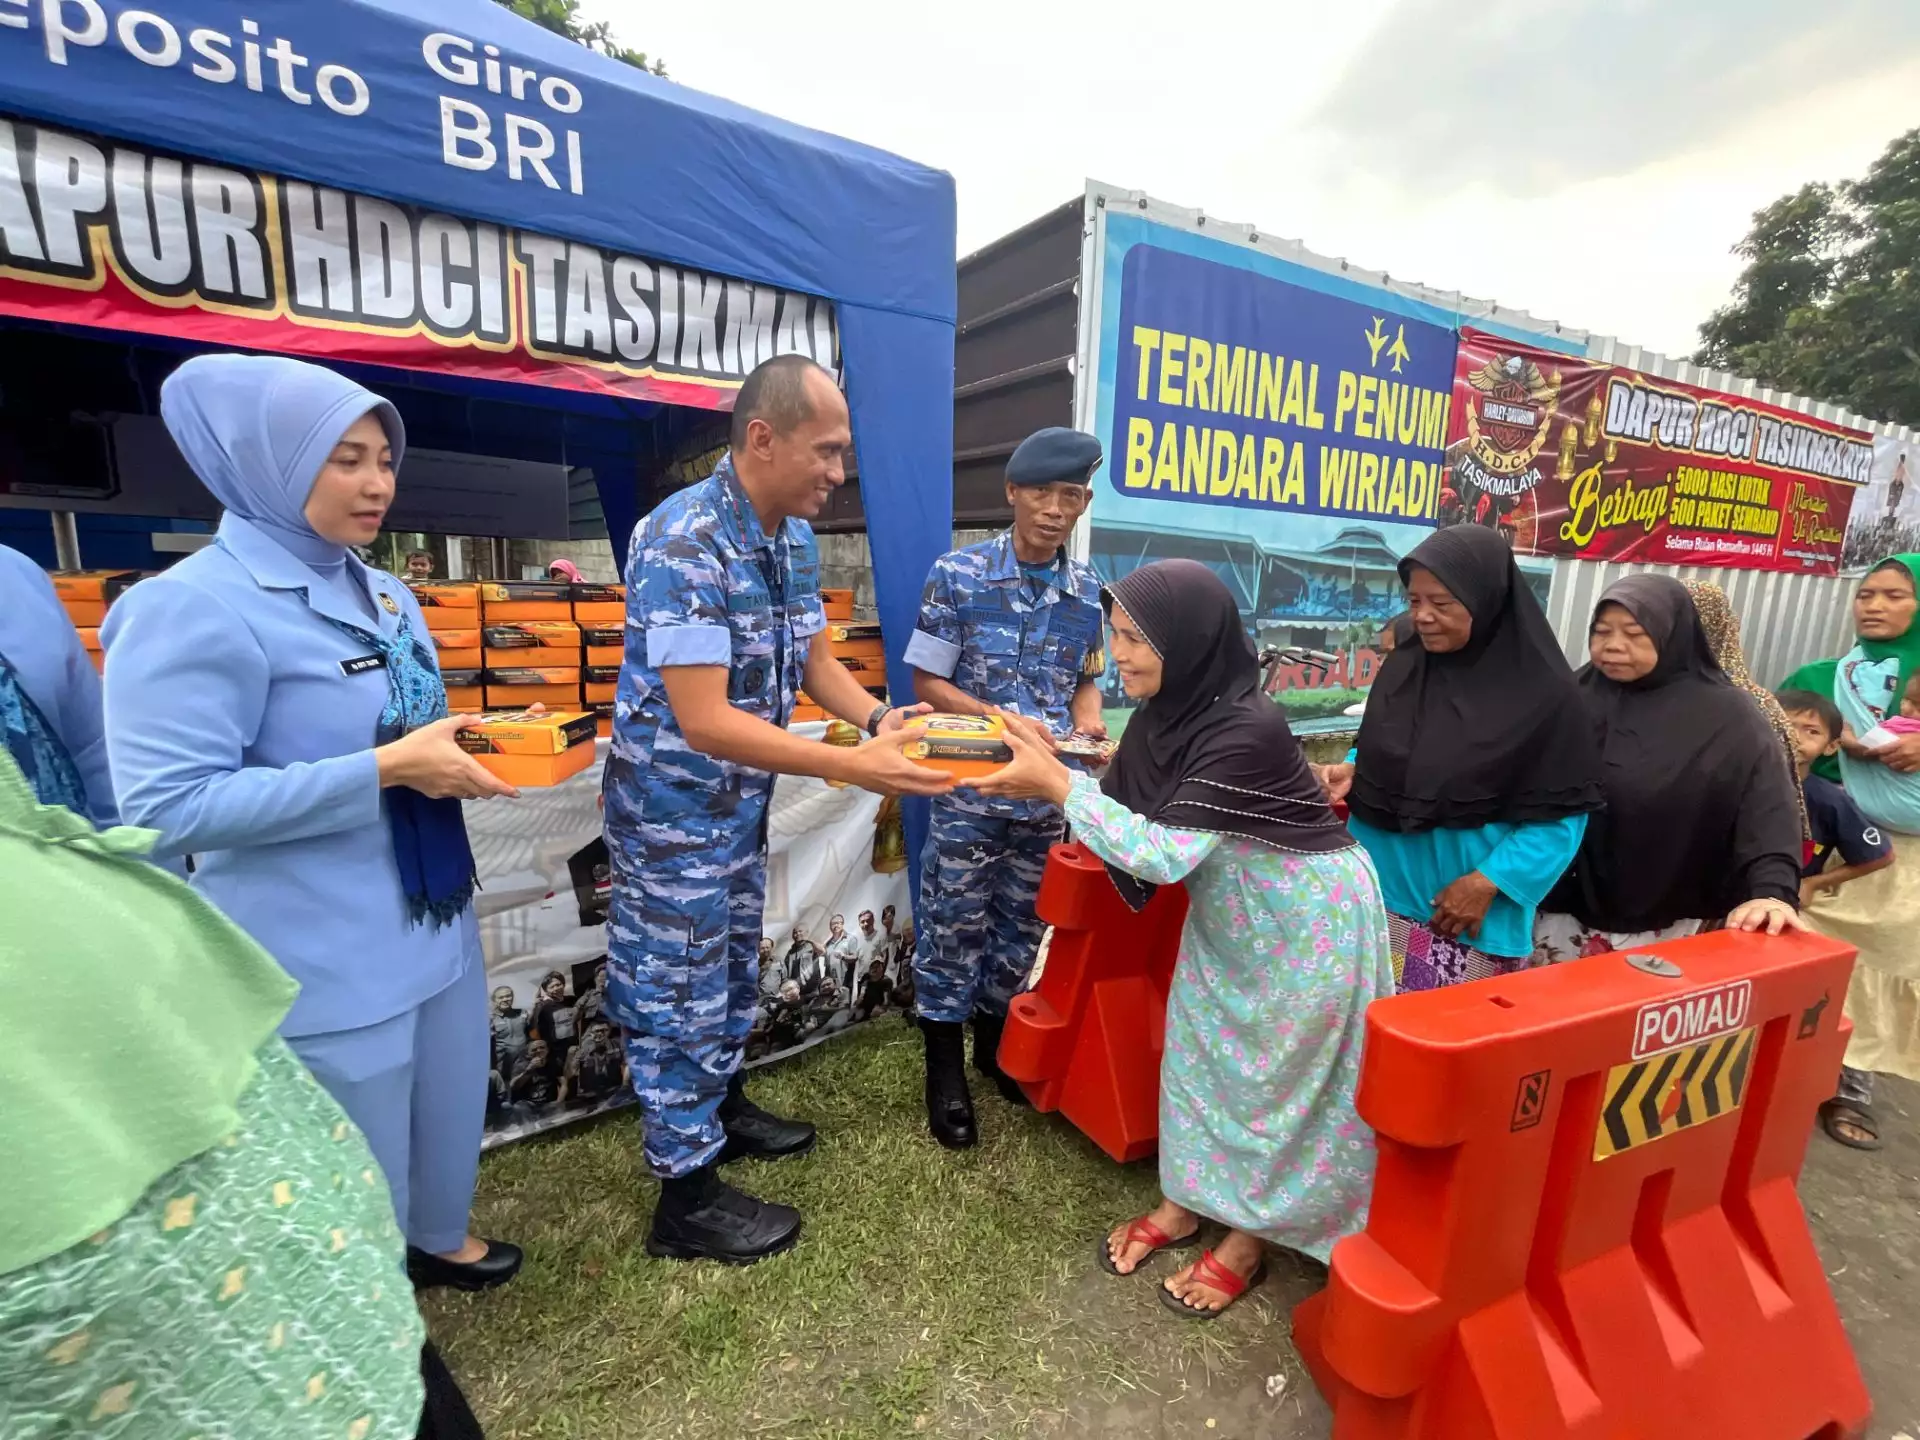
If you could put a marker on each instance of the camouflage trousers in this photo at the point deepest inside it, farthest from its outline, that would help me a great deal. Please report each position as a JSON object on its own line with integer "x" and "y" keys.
{"x": 979, "y": 877}
{"x": 683, "y": 942}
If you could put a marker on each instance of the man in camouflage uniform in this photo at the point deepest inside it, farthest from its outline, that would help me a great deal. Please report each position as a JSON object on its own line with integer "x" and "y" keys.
{"x": 723, "y": 585}
{"x": 1011, "y": 624}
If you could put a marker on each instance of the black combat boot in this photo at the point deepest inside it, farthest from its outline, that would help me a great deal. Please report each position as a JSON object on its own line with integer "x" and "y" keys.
{"x": 701, "y": 1217}
{"x": 753, "y": 1134}
{"x": 949, "y": 1106}
{"x": 986, "y": 1056}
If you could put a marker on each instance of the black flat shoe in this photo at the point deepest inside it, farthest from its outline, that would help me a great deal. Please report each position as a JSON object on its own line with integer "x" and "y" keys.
{"x": 754, "y": 1134}
{"x": 495, "y": 1268}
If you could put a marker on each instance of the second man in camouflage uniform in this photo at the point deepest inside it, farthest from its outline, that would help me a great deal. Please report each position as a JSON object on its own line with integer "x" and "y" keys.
{"x": 1009, "y": 624}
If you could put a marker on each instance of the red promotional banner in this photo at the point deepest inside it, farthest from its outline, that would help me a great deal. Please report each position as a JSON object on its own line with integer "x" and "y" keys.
{"x": 1568, "y": 456}
{"x": 98, "y": 233}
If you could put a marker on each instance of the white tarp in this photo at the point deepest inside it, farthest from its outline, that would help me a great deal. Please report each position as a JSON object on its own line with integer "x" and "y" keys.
{"x": 542, "y": 922}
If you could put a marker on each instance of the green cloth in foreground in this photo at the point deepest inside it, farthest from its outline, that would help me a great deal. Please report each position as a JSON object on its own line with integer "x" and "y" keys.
{"x": 163, "y": 1003}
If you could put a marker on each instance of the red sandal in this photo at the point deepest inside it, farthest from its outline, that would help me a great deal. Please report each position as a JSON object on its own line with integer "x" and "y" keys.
{"x": 1144, "y": 1232}
{"x": 1215, "y": 1276}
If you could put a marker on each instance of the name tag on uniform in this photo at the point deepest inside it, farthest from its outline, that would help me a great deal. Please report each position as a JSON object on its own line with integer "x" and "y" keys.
{"x": 363, "y": 664}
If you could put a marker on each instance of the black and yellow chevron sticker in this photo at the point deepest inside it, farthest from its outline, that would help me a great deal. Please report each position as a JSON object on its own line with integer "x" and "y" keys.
{"x": 1665, "y": 1094}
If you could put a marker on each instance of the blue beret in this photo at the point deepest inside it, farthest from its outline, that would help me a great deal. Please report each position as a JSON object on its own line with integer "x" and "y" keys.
{"x": 1050, "y": 456}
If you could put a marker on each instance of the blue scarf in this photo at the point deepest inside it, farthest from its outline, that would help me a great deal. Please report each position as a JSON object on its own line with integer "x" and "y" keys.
{"x": 39, "y": 752}
{"x": 430, "y": 842}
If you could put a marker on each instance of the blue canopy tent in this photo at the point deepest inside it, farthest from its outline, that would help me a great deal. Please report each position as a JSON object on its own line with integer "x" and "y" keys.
{"x": 356, "y": 94}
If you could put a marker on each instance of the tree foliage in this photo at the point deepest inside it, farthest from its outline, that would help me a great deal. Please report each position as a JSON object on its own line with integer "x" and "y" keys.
{"x": 1828, "y": 305}
{"x": 562, "y": 17}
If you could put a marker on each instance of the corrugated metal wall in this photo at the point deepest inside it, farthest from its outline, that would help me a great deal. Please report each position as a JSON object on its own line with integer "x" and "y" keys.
{"x": 1785, "y": 620}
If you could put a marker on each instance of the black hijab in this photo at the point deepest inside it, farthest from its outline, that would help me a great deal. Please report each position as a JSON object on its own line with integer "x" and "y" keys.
{"x": 1209, "y": 752}
{"x": 1489, "y": 732}
{"x": 1701, "y": 809}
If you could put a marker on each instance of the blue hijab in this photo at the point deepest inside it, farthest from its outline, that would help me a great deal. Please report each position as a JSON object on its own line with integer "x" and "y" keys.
{"x": 257, "y": 429}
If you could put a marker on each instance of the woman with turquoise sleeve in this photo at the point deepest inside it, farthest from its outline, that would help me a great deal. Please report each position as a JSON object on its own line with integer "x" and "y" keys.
{"x": 1475, "y": 768}
{"x": 1284, "y": 946}
{"x": 274, "y": 710}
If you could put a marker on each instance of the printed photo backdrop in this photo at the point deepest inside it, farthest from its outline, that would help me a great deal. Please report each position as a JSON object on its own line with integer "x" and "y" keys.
{"x": 1886, "y": 514}
{"x": 836, "y": 946}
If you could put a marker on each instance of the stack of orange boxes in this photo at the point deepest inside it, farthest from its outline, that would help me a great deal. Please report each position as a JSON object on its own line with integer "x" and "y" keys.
{"x": 530, "y": 645}
{"x": 452, "y": 612}
{"x": 605, "y": 648}
{"x": 856, "y": 644}
{"x": 601, "y": 613}
{"x": 85, "y": 595}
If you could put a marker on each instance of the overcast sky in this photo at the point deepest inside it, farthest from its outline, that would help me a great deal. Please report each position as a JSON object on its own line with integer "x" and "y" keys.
{"x": 1589, "y": 160}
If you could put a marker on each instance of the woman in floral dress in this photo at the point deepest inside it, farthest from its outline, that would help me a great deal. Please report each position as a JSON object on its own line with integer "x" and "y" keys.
{"x": 1284, "y": 948}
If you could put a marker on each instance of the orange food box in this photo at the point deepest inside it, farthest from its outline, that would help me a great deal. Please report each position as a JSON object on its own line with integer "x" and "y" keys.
{"x": 457, "y": 649}
{"x": 603, "y": 718}
{"x": 532, "y": 642}
{"x": 600, "y": 604}
{"x": 804, "y": 713}
{"x": 858, "y": 640}
{"x": 531, "y": 750}
{"x": 837, "y": 603}
{"x": 964, "y": 746}
{"x": 100, "y": 587}
{"x": 503, "y": 600}
{"x": 605, "y": 644}
{"x": 599, "y": 684}
{"x": 463, "y": 691}
{"x": 447, "y": 605}
{"x": 85, "y": 614}
{"x": 520, "y": 686}
{"x": 89, "y": 637}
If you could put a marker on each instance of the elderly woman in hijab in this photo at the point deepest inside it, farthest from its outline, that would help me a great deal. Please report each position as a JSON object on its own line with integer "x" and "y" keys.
{"x": 49, "y": 695}
{"x": 1878, "y": 913}
{"x": 1701, "y": 820}
{"x": 1722, "y": 629}
{"x": 274, "y": 710}
{"x": 1474, "y": 772}
{"x": 1285, "y": 943}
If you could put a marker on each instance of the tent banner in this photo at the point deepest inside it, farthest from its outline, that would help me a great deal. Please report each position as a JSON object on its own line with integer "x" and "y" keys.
{"x": 836, "y": 947}
{"x": 1577, "y": 457}
{"x": 113, "y": 236}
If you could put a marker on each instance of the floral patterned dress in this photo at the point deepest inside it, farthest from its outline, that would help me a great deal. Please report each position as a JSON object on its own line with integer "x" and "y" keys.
{"x": 1280, "y": 957}
{"x": 255, "y": 1292}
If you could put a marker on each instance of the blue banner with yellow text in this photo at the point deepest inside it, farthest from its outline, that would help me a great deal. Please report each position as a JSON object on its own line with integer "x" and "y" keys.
{"x": 1239, "y": 390}
{"x": 1285, "y": 425}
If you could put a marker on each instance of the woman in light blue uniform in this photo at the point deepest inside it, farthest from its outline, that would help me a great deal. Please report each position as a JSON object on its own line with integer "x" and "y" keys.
{"x": 274, "y": 710}
{"x": 49, "y": 696}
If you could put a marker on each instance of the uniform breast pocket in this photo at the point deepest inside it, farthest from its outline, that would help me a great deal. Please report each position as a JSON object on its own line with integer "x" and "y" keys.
{"x": 993, "y": 652}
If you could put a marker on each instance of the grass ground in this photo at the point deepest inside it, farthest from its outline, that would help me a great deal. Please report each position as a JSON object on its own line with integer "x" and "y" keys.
{"x": 931, "y": 1293}
{"x": 958, "y": 1295}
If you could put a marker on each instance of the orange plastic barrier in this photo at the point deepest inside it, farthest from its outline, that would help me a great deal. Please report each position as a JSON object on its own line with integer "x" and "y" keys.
{"x": 1087, "y": 1040}
{"x": 1584, "y": 1225}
